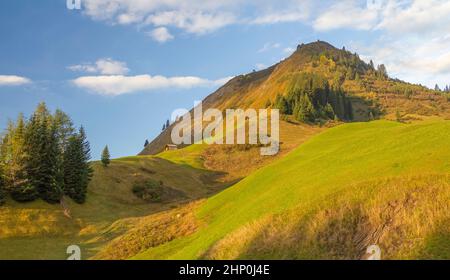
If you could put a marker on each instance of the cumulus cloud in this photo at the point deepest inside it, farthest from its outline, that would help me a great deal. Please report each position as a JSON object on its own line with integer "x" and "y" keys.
{"x": 410, "y": 36}
{"x": 347, "y": 14}
{"x": 195, "y": 16}
{"x": 105, "y": 66}
{"x": 419, "y": 25}
{"x": 12, "y": 80}
{"x": 161, "y": 34}
{"x": 191, "y": 22}
{"x": 118, "y": 84}
{"x": 281, "y": 17}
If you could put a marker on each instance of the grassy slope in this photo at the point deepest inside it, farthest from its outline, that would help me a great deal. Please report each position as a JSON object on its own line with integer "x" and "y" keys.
{"x": 38, "y": 230}
{"x": 377, "y": 161}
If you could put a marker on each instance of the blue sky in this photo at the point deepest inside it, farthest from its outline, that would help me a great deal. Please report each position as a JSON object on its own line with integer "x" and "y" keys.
{"x": 121, "y": 67}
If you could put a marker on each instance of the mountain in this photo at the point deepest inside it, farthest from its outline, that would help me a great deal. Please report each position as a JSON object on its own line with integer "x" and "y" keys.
{"x": 376, "y": 171}
{"x": 372, "y": 94}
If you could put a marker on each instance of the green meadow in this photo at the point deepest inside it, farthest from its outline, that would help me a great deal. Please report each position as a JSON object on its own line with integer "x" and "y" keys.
{"x": 380, "y": 182}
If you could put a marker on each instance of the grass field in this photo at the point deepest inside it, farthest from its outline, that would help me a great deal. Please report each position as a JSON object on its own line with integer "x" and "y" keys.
{"x": 352, "y": 185}
{"x": 38, "y": 230}
{"x": 348, "y": 187}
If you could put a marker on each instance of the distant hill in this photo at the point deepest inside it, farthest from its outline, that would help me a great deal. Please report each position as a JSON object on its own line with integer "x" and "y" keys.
{"x": 372, "y": 93}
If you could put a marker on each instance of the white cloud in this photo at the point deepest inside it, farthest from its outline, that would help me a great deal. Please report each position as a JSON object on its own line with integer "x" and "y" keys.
{"x": 425, "y": 62}
{"x": 161, "y": 34}
{"x": 409, "y": 36}
{"x": 404, "y": 32}
{"x": 119, "y": 84}
{"x": 417, "y": 17}
{"x": 281, "y": 17}
{"x": 191, "y": 22}
{"x": 105, "y": 66}
{"x": 260, "y": 66}
{"x": 269, "y": 46}
{"x": 196, "y": 16}
{"x": 288, "y": 50}
{"x": 346, "y": 14}
{"x": 12, "y": 80}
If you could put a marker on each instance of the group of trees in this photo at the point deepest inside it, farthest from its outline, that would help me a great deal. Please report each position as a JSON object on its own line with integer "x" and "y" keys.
{"x": 311, "y": 98}
{"x": 166, "y": 125}
{"x": 350, "y": 66}
{"x": 446, "y": 88}
{"x": 44, "y": 157}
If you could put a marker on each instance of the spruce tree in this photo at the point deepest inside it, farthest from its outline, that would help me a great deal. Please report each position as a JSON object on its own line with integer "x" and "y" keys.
{"x": 436, "y": 88}
{"x": 46, "y": 172}
{"x": 42, "y": 156}
{"x": 146, "y": 143}
{"x": 106, "y": 157}
{"x": 77, "y": 170}
{"x": 86, "y": 169}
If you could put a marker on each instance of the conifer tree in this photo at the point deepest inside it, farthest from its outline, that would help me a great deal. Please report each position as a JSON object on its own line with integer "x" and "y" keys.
{"x": 304, "y": 109}
{"x": 42, "y": 156}
{"x": 436, "y": 88}
{"x": 86, "y": 169}
{"x": 281, "y": 104}
{"x": 146, "y": 143}
{"x": 106, "y": 157}
{"x": 38, "y": 156}
{"x": 77, "y": 170}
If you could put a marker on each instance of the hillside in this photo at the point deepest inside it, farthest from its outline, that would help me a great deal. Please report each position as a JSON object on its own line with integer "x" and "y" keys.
{"x": 357, "y": 184}
{"x": 341, "y": 181}
{"x": 38, "y": 230}
{"x": 373, "y": 96}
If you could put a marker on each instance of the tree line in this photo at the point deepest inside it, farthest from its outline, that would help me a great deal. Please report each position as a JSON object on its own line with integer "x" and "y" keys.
{"x": 44, "y": 157}
{"x": 445, "y": 89}
{"x": 311, "y": 98}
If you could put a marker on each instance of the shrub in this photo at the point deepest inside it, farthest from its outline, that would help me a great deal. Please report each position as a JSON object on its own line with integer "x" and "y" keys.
{"x": 149, "y": 191}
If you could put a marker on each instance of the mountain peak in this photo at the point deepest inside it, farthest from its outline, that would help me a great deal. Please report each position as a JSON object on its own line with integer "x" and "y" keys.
{"x": 315, "y": 47}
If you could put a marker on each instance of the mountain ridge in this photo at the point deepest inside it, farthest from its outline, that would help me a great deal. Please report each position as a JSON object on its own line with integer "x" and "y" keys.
{"x": 372, "y": 93}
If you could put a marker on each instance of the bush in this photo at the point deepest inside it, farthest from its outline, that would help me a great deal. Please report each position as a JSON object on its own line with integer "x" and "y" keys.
{"x": 2, "y": 196}
{"x": 25, "y": 193}
{"x": 149, "y": 191}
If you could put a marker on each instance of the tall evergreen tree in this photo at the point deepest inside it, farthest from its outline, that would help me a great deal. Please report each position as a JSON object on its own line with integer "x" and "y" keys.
{"x": 304, "y": 109}
{"x": 34, "y": 155}
{"x": 42, "y": 155}
{"x": 146, "y": 143}
{"x": 436, "y": 88}
{"x": 106, "y": 157}
{"x": 77, "y": 170}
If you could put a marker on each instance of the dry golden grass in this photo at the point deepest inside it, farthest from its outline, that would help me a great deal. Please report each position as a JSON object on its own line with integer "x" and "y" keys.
{"x": 146, "y": 232}
{"x": 238, "y": 161}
